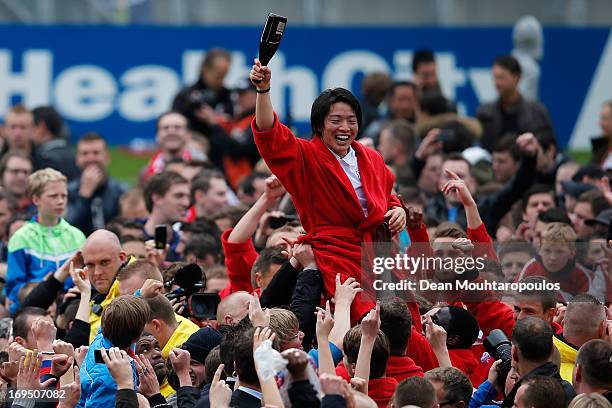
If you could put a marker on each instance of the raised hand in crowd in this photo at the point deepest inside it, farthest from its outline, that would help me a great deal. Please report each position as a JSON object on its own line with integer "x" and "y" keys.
{"x": 297, "y": 363}
{"x": 324, "y": 326}
{"x": 149, "y": 385}
{"x": 436, "y": 336}
{"x": 220, "y": 393}
{"x": 79, "y": 354}
{"x": 258, "y": 316}
{"x": 604, "y": 186}
{"x": 273, "y": 191}
{"x": 60, "y": 364}
{"x": 118, "y": 363}
{"x": 151, "y": 288}
{"x": 528, "y": 144}
{"x": 154, "y": 255}
{"x": 455, "y": 185}
{"x": 269, "y": 388}
{"x": 305, "y": 256}
{"x": 370, "y": 326}
{"x": 180, "y": 360}
{"x": 430, "y": 145}
{"x": 343, "y": 299}
{"x": 73, "y": 391}
{"x": 28, "y": 375}
{"x": 92, "y": 177}
{"x": 44, "y": 332}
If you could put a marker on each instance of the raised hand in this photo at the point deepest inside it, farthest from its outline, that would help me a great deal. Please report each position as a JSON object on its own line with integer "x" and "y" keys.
{"x": 346, "y": 291}
{"x": 370, "y": 325}
{"x": 149, "y": 385}
{"x": 415, "y": 218}
{"x": 458, "y": 186}
{"x": 118, "y": 363}
{"x": 258, "y": 317}
{"x": 273, "y": 190}
{"x": 220, "y": 392}
{"x": 325, "y": 323}
{"x": 260, "y": 75}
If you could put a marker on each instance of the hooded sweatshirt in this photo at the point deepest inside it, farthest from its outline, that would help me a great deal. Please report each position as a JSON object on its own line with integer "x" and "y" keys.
{"x": 36, "y": 250}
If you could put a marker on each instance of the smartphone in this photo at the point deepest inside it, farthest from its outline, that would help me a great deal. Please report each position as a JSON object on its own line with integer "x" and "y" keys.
{"x": 161, "y": 236}
{"x": 98, "y": 357}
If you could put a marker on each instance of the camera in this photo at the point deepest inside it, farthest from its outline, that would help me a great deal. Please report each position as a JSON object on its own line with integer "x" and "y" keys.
{"x": 199, "y": 98}
{"x": 500, "y": 348}
{"x": 277, "y": 222}
{"x": 191, "y": 281}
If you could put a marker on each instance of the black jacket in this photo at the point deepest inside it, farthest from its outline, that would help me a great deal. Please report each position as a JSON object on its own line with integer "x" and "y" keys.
{"x": 492, "y": 207}
{"x": 58, "y": 155}
{"x": 241, "y": 399}
{"x": 191, "y": 98}
{"x": 89, "y": 214}
{"x": 531, "y": 116}
{"x": 546, "y": 370}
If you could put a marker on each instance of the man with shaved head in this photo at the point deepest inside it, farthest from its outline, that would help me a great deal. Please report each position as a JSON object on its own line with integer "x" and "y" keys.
{"x": 103, "y": 258}
{"x": 233, "y": 308}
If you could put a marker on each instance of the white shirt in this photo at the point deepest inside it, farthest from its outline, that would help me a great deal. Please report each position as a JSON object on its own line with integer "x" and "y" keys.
{"x": 350, "y": 167}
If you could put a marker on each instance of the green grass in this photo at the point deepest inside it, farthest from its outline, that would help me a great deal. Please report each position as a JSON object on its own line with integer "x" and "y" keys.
{"x": 126, "y": 166}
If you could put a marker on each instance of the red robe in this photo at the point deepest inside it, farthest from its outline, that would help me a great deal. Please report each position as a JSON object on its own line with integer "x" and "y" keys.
{"x": 239, "y": 260}
{"x": 400, "y": 367}
{"x": 381, "y": 390}
{"x": 327, "y": 204}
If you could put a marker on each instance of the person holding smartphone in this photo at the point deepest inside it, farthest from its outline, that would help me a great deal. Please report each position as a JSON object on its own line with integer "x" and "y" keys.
{"x": 341, "y": 189}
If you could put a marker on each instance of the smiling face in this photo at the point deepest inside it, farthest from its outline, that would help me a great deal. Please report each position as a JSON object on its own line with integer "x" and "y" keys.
{"x": 340, "y": 128}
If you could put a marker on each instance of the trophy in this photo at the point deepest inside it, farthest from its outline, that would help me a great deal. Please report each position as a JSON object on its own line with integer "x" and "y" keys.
{"x": 271, "y": 37}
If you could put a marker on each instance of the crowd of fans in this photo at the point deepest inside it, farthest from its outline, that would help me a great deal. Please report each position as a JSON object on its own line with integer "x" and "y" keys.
{"x": 254, "y": 294}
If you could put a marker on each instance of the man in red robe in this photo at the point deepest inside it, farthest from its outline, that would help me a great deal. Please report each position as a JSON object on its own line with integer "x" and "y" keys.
{"x": 341, "y": 189}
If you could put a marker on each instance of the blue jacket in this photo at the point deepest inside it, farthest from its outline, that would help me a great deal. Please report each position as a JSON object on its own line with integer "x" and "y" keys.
{"x": 35, "y": 250}
{"x": 483, "y": 396}
{"x": 98, "y": 388}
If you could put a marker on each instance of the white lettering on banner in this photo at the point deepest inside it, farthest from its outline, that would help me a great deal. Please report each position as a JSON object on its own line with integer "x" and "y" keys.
{"x": 302, "y": 85}
{"x": 342, "y": 68}
{"x": 32, "y": 83}
{"x": 85, "y": 92}
{"x": 92, "y": 93}
{"x": 600, "y": 91}
{"x": 149, "y": 92}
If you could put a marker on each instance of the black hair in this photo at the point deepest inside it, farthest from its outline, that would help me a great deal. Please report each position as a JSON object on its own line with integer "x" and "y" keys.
{"x": 380, "y": 352}
{"x": 509, "y": 63}
{"x": 508, "y": 144}
{"x": 595, "y": 358}
{"x": 20, "y": 321}
{"x": 422, "y": 56}
{"x": 50, "y": 117}
{"x": 554, "y": 214}
{"x": 543, "y": 392}
{"x": 464, "y": 325}
{"x": 248, "y": 183}
{"x": 396, "y": 323}
{"x": 533, "y": 338}
{"x": 160, "y": 184}
{"x": 537, "y": 189}
{"x": 322, "y": 105}
{"x": 202, "y": 245}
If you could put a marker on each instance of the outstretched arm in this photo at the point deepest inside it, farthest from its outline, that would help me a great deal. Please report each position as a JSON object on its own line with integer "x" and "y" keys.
{"x": 264, "y": 112}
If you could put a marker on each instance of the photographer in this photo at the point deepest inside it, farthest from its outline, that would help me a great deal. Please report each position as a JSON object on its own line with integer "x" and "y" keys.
{"x": 532, "y": 349}
{"x": 208, "y": 93}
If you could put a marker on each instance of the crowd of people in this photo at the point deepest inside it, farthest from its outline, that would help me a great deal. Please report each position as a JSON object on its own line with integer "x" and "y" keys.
{"x": 238, "y": 271}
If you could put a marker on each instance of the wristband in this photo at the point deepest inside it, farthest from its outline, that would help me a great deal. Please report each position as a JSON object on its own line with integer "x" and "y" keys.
{"x": 262, "y": 91}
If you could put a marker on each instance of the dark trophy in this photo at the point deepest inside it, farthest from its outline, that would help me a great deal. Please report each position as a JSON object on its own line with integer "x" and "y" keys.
{"x": 271, "y": 37}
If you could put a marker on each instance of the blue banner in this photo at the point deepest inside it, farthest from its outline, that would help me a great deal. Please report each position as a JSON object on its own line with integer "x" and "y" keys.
{"x": 117, "y": 80}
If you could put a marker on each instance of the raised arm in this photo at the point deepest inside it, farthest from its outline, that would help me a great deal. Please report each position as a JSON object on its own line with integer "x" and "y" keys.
{"x": 264, "y": 112}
